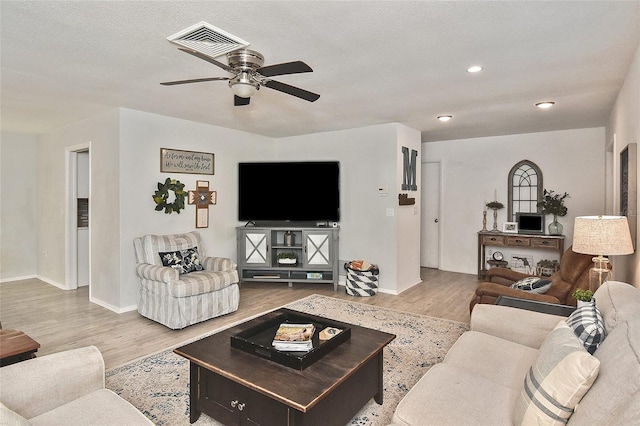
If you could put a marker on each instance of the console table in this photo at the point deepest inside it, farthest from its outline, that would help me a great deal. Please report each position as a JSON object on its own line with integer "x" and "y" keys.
{"x": 521, "y": 241}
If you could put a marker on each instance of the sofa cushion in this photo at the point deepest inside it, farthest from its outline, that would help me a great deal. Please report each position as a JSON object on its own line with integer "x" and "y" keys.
{"x": 202, "y": 282}
{"x": 558, "y": 379}
{"x": 102, "y": 407}
{"x": 588, "y": 325}
{"x": 614, "y": 399}
{"x": 11, "y": 418}
{"x": 503, "y": 362}
{"x": 184, "y": 261}
{"x": 533, "y": 285}
{"x": 618, "y": 302}
{"x": 449, "y": 395}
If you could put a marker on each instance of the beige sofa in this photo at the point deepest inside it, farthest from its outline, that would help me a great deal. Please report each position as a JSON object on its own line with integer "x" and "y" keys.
{"x": 483, "y": 377}
{"x": 176, "y": 298}
{"x": 66, "y": 388}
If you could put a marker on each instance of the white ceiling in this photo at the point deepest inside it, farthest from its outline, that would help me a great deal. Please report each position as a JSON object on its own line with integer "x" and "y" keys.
{"x": 374, "y": 62}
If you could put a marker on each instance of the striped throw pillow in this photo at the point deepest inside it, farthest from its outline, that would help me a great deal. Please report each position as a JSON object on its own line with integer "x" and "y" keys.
{"x": 560, "y": 376}
{"x": 588, "y": 325}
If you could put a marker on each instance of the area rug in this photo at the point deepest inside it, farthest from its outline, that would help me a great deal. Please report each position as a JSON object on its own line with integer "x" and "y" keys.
{"x": 158, "y": 385}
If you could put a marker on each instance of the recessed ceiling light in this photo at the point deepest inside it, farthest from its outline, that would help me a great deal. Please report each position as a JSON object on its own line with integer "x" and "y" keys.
{"x": 445, "y": 117}
{"x": 475, "y": 68}
{"x": 545, "y": 104}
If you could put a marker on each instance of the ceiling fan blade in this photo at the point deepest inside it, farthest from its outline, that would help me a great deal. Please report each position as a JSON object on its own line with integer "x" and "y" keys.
{"x": 294, "y": 67}
{"x": 206, "y": 58}
{"x": 291, "y": 90}
{"x": 194, "y": 80}
{"x": 238, "y": 101}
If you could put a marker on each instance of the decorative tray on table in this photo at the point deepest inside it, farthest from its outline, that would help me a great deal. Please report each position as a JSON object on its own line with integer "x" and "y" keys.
{"x": 258, "y": 336}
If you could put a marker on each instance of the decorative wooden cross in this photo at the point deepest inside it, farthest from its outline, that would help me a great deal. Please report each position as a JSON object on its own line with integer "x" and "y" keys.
{"x": 202, "y": 198}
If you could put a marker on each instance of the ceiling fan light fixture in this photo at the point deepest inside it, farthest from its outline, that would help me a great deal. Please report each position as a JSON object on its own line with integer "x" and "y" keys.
{"x": 545, "y": 104}
{"x": 242, "y": 86}
{"x": 444, "y": 117}
{"x": 243, "y": 90}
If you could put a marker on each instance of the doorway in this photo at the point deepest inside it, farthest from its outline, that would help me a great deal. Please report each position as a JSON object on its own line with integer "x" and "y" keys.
{"x": 78, "y": 235}
{"x": 430, "y": 236}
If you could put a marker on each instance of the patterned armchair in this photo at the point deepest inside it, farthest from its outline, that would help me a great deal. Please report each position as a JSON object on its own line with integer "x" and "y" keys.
{"x": 179, "y": 285}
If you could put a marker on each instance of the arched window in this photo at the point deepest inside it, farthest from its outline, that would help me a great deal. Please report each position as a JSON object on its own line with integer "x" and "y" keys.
{"x": 524, "y": 188}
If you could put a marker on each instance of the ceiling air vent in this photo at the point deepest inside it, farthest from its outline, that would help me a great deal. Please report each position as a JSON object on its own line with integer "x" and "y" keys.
{"x": 207, "y": 39}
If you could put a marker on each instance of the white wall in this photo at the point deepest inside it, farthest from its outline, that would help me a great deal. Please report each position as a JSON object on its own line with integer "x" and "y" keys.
{"x": 368, "y": 160}
{"x": 408, "y": 217}
{"x": 571, "y": 161}
{"x": 102, "y": 132}
{"x": 18, "y": 206}
{"x": 142, "y": 135}
{"x": 624, "y": 127}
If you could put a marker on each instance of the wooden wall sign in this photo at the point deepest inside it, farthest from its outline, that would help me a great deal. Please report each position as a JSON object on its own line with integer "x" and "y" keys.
{"x": 179, "y": 161}
{"x": 202, "y": 197}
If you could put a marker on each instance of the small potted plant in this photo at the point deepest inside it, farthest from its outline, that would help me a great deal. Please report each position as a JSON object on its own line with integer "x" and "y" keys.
{"x": 584, "y": 297}
{"x": 288, "y": 258}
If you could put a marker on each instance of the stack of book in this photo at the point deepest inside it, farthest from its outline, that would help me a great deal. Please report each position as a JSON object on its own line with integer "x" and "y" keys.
{"x": 294, "y": 337}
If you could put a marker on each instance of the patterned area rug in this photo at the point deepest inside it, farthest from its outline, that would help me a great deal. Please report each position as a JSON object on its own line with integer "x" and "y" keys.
{"x": 158, "y": 385}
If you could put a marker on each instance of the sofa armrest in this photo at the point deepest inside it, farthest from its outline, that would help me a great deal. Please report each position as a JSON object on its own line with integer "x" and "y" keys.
{"x": 39, "y": 385}
{"x": 218, "y": 264}
{"x": 489, "y": 293}
{"x": 157, "y": 273}
{"x": 516, "y": 325}
{"x": 505, "y": 276}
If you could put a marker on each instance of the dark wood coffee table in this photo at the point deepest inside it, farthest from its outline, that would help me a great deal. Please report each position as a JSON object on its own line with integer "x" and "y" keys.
{"x": 236, "y": 387}
{"x": 15, "y": 346}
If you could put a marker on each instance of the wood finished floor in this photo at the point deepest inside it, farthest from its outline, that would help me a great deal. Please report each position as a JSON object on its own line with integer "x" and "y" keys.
{"x": 61, "y": 320}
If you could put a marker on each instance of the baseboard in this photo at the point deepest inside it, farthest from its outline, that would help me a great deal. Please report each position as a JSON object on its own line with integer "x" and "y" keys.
{"x": 111, "y": 307}
{"x": 26, "y": 277}
{"x": 52, "y": 282}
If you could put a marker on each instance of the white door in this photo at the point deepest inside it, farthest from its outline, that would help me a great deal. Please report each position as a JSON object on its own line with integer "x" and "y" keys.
{"x": 430, "y": 237}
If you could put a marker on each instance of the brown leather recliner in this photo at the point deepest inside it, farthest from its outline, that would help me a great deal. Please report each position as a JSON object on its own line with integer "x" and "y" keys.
{"x": 573, "y": 274}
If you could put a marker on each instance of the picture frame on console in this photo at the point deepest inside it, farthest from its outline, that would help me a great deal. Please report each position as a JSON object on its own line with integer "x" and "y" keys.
{"x": 510, "y": 227}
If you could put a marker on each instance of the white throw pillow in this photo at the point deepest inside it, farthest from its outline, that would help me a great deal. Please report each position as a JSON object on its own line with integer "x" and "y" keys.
{"x": 532, "y": 285}
{"x": 560, "y": 376}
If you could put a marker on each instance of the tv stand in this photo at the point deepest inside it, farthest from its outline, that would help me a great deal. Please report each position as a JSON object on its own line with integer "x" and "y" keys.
{"x": 315, "y": 249}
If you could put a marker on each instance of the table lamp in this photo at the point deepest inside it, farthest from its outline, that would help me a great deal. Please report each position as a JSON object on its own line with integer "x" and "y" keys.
{"x": 601, "y": 236}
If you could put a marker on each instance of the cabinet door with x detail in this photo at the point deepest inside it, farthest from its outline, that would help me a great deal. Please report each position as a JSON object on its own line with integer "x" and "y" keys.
{"x": 318, "y": 248}
{"x": 256, "y": 248}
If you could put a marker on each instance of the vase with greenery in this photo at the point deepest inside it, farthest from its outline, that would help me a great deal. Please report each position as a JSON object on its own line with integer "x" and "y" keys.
{"x": 553, "y": 203}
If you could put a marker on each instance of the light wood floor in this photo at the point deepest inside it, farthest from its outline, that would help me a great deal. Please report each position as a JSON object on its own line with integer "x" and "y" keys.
{"x": 61, "y": 320}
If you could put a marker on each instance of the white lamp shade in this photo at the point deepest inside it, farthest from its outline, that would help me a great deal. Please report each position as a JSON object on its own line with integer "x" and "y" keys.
{"x": 602, "y": 235}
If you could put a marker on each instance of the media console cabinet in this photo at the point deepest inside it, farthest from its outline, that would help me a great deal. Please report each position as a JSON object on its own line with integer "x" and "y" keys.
{"x": 315, "y": 250}
{"x": 521, "y": 241}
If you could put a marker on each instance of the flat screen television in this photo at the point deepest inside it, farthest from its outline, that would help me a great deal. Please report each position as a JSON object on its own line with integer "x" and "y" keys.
{"x": 530, "y": 223}
{"x": 306, "y": 191}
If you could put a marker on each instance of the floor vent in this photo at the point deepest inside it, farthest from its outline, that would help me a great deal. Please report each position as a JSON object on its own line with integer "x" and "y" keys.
{"x": 207, "y": 39}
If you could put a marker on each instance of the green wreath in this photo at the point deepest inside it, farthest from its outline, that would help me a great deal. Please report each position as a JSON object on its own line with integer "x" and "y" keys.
{"x": 161, "y": 196}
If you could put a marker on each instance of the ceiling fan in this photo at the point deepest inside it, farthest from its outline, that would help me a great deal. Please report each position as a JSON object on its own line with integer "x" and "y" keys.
{"x": 249, "y": 75}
